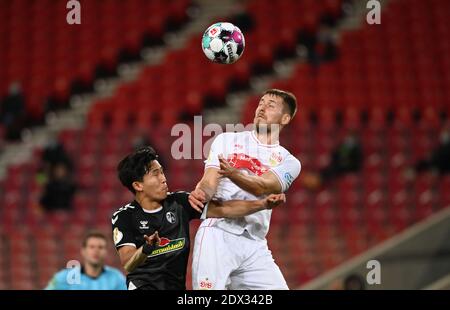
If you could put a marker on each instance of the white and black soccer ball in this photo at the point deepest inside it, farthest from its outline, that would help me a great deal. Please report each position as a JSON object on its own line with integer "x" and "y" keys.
{"x": 223, "y": 43}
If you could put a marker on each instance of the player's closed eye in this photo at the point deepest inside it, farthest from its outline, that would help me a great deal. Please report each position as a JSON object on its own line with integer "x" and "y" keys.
{"x": 156, "y": 172}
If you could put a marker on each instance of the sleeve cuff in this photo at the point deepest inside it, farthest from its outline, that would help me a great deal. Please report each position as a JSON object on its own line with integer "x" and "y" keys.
{"x": 212, "y": 166}
{"x": 205, "y": 211}
{"x": 121, "y": 245}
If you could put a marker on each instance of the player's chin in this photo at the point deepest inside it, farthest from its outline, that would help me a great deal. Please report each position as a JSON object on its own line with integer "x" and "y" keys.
{"x": 163, "y": 194}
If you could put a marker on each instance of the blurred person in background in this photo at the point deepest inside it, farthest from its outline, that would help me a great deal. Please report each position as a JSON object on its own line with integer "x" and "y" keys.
{"x": 354, "y": 282}
{"x": 54, "y": 153}
{"x": 93, "y": 274}
{"x": 346, "y": 158}
{"x": 12, "y": 112}
{"x": 439, "y": 159}
{"x": 351, "y": 282}
{"x": 59, "y": 190}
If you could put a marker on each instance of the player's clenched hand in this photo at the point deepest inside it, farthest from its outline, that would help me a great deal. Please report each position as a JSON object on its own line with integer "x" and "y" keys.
{"x": 153, "y": 240}
{"x": 226, "y": 170}
{"x": 196, "y": 199}
{"x": 274, "y": 200}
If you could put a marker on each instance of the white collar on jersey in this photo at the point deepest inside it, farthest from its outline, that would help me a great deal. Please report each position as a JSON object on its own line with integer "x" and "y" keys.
{"x": 152, "y": 211}
{"x": 253, "y": 134}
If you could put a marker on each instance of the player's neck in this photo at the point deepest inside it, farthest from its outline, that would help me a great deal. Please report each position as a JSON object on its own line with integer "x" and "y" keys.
{"x": 148, "y": 204}
{"x": 267, "y": 137}
{"x": 92, "y": 271}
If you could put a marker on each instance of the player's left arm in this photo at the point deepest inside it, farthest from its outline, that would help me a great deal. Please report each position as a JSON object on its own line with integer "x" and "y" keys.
{"x": 240, "y": 208}
{"x": 274, "y": 181}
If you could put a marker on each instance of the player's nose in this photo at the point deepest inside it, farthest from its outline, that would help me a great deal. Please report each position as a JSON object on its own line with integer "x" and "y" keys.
{"x": 163, "y": 179}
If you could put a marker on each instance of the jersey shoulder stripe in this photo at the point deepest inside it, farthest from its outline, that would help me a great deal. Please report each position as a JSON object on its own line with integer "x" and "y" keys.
{"x": 124, "y": 208}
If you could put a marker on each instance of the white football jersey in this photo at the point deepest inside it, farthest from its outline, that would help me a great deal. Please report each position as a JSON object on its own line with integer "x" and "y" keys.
{"x": 243, "y": 151}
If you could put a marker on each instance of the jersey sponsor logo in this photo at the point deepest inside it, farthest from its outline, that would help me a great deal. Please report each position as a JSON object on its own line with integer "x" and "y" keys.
{"x": 117, "y": 235}
{"x": 288, "y": 178}
{"x": 166, "y": 246}
{"x": 144, "y": 225}
{"x": 243, "y": 161}
{"x": 170, "y": 216}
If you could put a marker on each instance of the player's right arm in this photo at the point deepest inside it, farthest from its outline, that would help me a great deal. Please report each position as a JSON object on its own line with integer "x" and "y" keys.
{"x": 207, "y": 186}
{"x": 205, "y": 189}
{"x": 125, "y": 241}
{"x": 131, "y": 258}
{"x": 241, "y": 208}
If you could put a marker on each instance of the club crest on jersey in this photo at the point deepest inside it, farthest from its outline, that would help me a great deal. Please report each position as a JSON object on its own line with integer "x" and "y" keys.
{"x": 144, "y": 225}
{"x": 170, "y": 217}
{"x": 275, "y": 159}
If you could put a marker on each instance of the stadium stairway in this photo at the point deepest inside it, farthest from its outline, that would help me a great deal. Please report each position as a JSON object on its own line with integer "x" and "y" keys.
{"x": 80, "y": 104}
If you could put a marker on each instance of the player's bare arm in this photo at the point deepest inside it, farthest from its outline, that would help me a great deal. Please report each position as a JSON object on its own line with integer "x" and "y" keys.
{"x": 131, "y": 258}
{"x": 265, "y": 184}
{"x": 205, "y": 189}
{"x": 240, "y": 208}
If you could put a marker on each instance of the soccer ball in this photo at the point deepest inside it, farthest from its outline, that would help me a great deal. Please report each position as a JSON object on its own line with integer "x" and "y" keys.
{"x": 223, "y": 43}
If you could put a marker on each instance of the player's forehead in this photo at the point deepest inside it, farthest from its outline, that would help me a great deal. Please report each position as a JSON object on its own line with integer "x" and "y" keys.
{"x": 154, "y": 165}
{"x": 272, "y": 98}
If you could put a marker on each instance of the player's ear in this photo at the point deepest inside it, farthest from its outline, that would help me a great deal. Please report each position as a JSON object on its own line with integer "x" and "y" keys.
{"x": 285, "y": 119}
{"x": 138, "y": 187}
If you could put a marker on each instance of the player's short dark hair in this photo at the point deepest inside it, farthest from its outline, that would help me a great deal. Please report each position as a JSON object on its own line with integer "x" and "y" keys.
{"x": 288, "y": 98}
{"x": 134, "y": 166}
{"x": 92, "y": 234}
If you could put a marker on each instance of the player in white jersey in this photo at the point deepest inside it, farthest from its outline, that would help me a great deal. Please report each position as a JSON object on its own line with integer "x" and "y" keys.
{"x": 233, "y": 253}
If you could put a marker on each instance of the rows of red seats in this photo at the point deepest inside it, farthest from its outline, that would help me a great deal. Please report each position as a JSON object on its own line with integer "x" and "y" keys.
{"x": 313, "y": 231}
{"x": 186, "y": 77}
{"x": 376, "y": 203}
{"x": 42, "y": 51}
